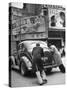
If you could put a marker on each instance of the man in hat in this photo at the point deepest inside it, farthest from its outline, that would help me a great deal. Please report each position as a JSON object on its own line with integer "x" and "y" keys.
{"x": 38, "y": 54}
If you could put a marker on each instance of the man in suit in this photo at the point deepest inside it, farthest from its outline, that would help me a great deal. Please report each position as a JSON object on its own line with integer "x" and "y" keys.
{"x": 38, "y": 54}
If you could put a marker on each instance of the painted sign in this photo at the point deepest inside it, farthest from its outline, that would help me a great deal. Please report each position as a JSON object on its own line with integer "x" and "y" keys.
{"x": 28, "y": 25}
{"x": 56, "y": 17}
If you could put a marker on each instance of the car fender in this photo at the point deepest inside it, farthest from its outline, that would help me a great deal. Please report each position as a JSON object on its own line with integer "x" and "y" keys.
{"x": 27, "y": 62}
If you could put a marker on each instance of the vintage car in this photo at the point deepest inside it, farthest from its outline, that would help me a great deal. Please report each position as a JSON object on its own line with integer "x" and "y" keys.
{"x": 22, "y": 59}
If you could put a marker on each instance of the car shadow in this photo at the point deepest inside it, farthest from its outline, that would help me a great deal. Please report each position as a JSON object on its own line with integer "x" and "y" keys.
{"x": 32, "y": 75}
{"x": 52, "y": 73}
{"x": 16, "y": 70}
{"x": 29, "y": 74}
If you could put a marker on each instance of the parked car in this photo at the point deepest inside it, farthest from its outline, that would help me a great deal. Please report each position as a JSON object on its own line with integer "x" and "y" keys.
{"x": 22, "y": 59}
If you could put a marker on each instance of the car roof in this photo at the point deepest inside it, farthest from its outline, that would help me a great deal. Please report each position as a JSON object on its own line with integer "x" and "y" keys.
{"x": 33, "y": 42}
{"x": 30, "y": 41}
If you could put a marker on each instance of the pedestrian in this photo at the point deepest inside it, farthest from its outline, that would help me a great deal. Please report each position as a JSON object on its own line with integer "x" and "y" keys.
{"x": 38, "y": 55}
{"x": 57, "y": 58}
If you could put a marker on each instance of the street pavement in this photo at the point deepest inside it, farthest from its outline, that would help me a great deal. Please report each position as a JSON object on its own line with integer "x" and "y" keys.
{"x": 54, "y": 78}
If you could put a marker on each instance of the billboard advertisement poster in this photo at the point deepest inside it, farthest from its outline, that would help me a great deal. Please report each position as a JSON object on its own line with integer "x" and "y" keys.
{"x": 56, "y": 17}
{"x": 28, "y": 25}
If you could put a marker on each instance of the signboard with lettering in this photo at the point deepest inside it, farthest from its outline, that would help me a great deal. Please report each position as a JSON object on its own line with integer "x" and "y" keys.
{"x": 33, "y": 36}
{"x": 56, "y": 17}
{"x": 32, "y": 24}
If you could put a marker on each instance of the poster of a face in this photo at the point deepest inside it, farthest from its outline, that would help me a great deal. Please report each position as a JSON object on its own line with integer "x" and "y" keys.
{"x": 56, "y": 18}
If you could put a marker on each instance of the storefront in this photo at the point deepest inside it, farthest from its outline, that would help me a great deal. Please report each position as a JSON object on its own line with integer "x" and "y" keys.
{"x": 56, "y": 31}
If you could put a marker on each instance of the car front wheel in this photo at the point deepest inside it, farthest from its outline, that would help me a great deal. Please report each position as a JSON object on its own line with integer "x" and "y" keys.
{"x": 23, "y": 68}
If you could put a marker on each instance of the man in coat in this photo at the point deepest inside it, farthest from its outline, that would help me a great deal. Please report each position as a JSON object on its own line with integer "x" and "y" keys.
{"x": 38, "y": 54}
{"x": 57, "y": 58}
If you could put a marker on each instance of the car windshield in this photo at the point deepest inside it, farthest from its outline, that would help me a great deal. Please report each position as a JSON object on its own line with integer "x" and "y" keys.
{"x": 30, "y": 44}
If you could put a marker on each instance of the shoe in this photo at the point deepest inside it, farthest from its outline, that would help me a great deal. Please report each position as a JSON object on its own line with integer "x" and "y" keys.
{"x": 41, "y": 83}
{"x": 45, "y": 81}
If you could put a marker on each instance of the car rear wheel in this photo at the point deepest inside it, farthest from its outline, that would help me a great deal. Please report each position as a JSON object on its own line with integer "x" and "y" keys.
{"x": 62, "y": 68}
{"x": 23, "y": 68}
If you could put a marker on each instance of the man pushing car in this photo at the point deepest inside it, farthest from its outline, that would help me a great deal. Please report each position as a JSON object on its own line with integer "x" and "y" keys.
{"x": 38, "y": 54}
{"x": 57, "y": 58}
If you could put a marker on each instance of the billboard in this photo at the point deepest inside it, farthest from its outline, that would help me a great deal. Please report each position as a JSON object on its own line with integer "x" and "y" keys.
{"x": 32, "y": 24}
{"x": 56, "y": 17}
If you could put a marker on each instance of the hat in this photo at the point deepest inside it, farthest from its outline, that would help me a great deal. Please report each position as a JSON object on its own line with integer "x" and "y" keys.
{"x": 37, "y": 44}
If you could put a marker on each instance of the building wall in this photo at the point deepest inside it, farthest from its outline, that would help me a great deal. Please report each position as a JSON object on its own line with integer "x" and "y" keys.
{"x": 32, "y": 10}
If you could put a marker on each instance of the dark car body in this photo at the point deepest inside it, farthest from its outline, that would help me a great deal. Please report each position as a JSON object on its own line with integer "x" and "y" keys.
{"x": 23, "y": 57}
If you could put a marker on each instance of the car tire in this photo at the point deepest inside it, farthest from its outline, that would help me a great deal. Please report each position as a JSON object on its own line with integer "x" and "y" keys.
{"x": 62, "y": 68}
{"x": 48, "y": 70}
{"x": 23, "y": 69}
